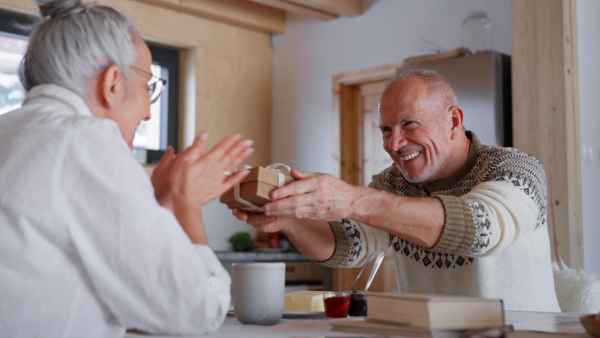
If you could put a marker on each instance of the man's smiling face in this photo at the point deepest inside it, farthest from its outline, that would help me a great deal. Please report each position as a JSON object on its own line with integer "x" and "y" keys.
{"x": 416, "y": 129}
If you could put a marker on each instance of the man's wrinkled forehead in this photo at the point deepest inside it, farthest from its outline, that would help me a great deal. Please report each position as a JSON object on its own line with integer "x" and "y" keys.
{"x": 401, "y": 95}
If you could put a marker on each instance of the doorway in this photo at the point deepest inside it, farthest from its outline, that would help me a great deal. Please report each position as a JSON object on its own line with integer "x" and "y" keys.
{"x": 359, "y": 153}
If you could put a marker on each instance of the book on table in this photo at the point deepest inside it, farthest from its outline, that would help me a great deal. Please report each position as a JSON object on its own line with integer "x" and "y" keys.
{"x": 425, "y": 314}
{"x": 369, "y": 326}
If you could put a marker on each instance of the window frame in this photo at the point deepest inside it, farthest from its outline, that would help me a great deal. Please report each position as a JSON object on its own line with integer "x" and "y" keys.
{"x": 164, "y": 56}
{"x": 7, "y": 20}
{"x": 169, "y": 58}
{"x": 11, "y": 26}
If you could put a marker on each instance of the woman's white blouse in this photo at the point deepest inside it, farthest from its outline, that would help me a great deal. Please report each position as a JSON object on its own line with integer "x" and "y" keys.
{"x": 85, "y": 249}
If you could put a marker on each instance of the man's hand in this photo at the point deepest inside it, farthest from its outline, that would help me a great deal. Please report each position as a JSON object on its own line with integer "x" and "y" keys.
{"x": 302, "y": 209}
{"x": 263, "y": 222}
{"x": 314, "y": 196}
{"x": 313, "y": 238}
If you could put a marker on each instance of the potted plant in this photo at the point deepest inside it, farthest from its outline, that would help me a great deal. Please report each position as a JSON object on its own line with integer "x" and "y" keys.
{"x": 241, "y": 241}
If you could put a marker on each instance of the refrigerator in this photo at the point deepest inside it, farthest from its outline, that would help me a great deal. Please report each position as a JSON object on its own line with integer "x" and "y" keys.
{"x": 482, "y": 82}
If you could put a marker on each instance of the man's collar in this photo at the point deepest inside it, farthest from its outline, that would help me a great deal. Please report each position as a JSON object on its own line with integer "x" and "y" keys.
{"x": 463, "y": 170}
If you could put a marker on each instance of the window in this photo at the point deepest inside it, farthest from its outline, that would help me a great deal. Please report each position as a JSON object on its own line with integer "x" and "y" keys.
{"x": 13, "y": 44}
{"x": 152, "y": 137}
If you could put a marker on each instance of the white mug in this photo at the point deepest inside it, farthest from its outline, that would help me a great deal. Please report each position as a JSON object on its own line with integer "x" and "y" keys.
{"x": 258, "y": 292}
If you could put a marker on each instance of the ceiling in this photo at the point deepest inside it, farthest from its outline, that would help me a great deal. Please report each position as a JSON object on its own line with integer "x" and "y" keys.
{"x": 265, "y": 15}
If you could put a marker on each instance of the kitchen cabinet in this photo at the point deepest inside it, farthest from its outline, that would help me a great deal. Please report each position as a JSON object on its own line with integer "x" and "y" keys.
{"x": 301, "y": 273}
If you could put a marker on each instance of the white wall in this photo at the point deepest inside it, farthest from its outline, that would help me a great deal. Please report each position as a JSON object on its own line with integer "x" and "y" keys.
{"x": 221, "y": 224}
{"x": 311, "y": 51}
{"x": 588, "y": 41}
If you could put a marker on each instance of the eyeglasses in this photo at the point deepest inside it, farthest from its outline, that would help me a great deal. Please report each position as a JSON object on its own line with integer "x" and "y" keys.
{"x": 156, "y": 85}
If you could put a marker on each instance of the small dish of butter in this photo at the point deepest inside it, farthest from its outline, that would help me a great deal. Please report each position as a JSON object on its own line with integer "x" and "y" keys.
{"x": 303, "y": 304}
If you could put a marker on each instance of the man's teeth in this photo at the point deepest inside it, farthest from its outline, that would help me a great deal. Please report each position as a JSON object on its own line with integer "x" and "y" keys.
{"x": 411, "y": 156}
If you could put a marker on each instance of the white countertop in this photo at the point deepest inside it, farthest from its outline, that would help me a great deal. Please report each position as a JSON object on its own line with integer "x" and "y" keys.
{"x": 265, "y": 255}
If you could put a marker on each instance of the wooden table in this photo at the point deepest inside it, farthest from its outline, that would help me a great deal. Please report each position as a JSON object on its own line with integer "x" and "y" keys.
{"x": 526, "y": 325}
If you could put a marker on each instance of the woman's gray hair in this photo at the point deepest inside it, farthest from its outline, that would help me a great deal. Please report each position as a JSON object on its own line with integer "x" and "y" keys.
{"x": 72, "y": 40}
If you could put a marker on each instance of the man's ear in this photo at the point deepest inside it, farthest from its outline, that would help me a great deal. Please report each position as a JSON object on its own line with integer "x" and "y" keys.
{"x": 458, "y": 116}
{"x": 110, "y": 86}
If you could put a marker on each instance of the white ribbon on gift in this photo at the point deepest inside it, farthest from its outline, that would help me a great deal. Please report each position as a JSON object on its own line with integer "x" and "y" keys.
{"x": 281, "y": 169}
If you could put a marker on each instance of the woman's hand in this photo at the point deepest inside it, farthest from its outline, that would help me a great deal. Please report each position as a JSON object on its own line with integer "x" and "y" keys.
{"x": 197, "y": 178}
{"x": 160, "y": 179}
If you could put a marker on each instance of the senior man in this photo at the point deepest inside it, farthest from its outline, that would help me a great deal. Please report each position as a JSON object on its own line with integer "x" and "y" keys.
{"x": 462, "y": 218}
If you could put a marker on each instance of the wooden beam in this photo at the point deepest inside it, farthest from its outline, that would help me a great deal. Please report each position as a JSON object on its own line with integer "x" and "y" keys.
{"x": 19, "y": 7}
{"x": 290, "y": 6}
{"x": 236, "y": 12}
{"x": 546, "y": 112}
{"x": 320, "y": 9}
{"x": 337, "y": 7}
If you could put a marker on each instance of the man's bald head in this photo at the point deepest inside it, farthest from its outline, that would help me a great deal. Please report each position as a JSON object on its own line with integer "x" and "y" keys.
{"x": 437, "y": 88}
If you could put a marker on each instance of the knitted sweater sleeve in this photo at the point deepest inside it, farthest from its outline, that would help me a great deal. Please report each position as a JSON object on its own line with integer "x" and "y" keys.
{"x": 508, "y": 204}
{"x": 354, "y": 243}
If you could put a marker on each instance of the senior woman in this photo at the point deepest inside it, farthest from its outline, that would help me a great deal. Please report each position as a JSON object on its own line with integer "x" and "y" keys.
{"x": 88, "y": 246}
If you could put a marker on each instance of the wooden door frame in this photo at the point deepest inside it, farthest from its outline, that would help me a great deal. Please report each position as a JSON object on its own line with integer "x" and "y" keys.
{"x": 346, "y": 111}
{"x": 546, "y": 112}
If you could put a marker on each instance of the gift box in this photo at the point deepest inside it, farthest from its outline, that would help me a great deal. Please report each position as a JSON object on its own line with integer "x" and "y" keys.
{"x": 256, "y": 188}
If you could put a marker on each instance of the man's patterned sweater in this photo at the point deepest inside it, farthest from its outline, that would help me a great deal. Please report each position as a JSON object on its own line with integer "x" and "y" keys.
{"x": 495, "y": 240}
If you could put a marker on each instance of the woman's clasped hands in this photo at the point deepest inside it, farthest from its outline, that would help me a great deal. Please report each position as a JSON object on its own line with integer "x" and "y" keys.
{"x": 194, "y": 177}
